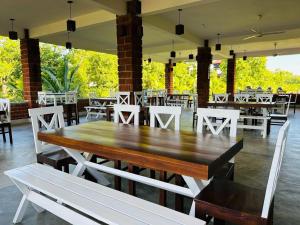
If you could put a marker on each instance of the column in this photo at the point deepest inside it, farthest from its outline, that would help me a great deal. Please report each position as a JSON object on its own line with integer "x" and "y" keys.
{"x": 31, "y": 69}
{"x": 204, "y": 59}
{"x": 129, "y": 40}
{"x": 169, "y": 77}
{"x": 231, "y": 65}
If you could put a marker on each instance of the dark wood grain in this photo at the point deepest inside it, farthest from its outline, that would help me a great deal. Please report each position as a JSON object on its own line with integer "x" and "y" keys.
{"x": 238, "y": 105}
{"x": 186, "y": 153}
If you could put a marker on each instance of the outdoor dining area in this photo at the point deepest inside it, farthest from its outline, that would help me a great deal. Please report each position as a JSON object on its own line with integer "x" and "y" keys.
{"x": 142, "y": 154}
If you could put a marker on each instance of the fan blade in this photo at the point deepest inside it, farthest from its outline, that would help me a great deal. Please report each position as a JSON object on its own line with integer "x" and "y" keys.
{"x": 272, "y": 32}
{"x": 253, "y": 30}
{"x": 250, "y": 37}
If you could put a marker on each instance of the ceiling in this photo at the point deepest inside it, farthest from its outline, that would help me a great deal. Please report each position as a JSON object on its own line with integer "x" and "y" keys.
{"x": 203, "y": 19}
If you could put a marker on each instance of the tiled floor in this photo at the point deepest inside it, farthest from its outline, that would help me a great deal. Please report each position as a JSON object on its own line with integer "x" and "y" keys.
{"x": 252, "y": 168}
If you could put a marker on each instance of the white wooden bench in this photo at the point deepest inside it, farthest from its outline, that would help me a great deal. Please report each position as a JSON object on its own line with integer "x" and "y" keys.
{"x": 82, "y": 202}
{"x": 263, "y": 126}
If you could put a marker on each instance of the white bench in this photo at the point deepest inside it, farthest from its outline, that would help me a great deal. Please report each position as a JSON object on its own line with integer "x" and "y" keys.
{"x": 82, "y": 202}
{"x": 263, "y": 126}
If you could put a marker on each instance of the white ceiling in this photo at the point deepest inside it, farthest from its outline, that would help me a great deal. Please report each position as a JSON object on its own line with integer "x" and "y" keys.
{"x": 203, "y": 19}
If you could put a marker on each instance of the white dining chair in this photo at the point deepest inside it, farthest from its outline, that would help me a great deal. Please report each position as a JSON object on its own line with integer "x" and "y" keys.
{"x": 279, "y": 118}
{"x": 47, "y": 153}
{"x": 119, "y": 111}
{"x": 206, "y": 116}
{"x": 220, "y": 98}
{"x": 264, "y": 98}
{"x": 241, "y": 98}
{"x": 5, "y": 106}
{"x": 5, "y": 120}
{"x": 71, "y": 97}
{"x": 123, "y": 98}
{"x": 139, "y": 98}
{"x": 172, "y": 112}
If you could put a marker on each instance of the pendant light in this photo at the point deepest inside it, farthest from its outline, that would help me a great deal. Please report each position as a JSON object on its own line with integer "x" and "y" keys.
{"x": 149, "y": 60}
{"x": 218, "y": 45}
{"x": 191, "y": 56}
{"x": 13, "y": 35}
{"x": 245, "y": 56}
{"x": 174, "y": 64}
{"x": 71, "y": 24}
{"x": 68, "y": 43}
{"x": 179, "y": 29}
{"x": 173, "y": 53}
{"x": 231, "y": 52}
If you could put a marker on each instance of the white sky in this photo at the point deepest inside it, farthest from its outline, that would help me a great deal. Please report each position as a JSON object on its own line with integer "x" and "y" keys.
{"x": 289, "y": 63}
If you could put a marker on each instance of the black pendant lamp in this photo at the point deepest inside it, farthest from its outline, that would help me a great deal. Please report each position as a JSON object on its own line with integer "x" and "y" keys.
{"x": 68, "y": 43}
{"x": 179, "y": 29}
{"x": 71, "y": 24}
{"x": 231, "y": 52}
{"x": 174, "y": 64}
{"x": 13, "y": 35}
{"x": 218, "y": 45}
{"x": 191, "y": 56}
{"x": 173, "y": 53}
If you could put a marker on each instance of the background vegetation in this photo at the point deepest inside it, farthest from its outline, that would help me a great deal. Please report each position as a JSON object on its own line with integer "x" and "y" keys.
{"x": 95, "y": 72}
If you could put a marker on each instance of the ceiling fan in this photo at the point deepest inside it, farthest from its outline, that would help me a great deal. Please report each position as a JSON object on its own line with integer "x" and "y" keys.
{"x": 259, "y": 33}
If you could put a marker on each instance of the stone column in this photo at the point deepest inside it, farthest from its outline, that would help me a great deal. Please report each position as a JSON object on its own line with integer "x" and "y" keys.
{"x": 169, "y": 77}
{"x": 204, "y": 59}
{"x": 129, "y": 40}
{"x": 31, "y": 68}
{"x": 231, "y": 65}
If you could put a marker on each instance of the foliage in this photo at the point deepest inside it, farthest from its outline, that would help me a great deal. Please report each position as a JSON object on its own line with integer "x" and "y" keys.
{"x": 98, "y": 72}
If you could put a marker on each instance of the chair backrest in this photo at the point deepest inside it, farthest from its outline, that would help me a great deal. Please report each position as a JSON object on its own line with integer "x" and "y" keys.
{"x": 241, "y": 97}
{"x": 275, "y": 168}
{"x": 264, "y": 98}
{"x": 123, "y": 98}
{"x": 56, "y": 118}
{"x": 134, "y": 111}
{"x": 220, "y": 98}
{"x": 71, "y": 97}
{"x": 231, "y": 117}
{"x": 172, "y": 112}
{"x": 42, "y": 98}
{"x": 288, "y": 105}
{"x": 139, "y": 98}
{"x": 5, "y": 106}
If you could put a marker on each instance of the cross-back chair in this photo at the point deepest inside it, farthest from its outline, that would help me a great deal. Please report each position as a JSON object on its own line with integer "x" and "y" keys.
{"x": 133, "y": 111}
{"x": 172, "y": 112}
{"x": 123, "y": 98}
{"x": 239, "y": 204}
{"x": 220, "y": 98}
{"x": 46, "y": 153}
{"x": 264, "y": 98}
{"x": 5, "y": 119}
{"x": 139, "y": 98}
{"x": 241, "y": 97}
{"x": 280, "y": 118}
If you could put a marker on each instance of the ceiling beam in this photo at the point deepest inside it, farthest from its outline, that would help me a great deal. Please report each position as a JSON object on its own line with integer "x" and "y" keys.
{"x": 82, "y": 21}
{"x": 117, "y": 7}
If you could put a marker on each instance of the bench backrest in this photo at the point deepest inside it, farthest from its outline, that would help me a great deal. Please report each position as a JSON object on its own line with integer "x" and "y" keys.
{"x": 56, "y": 118}
{"x": 264, "y": 98}
{"x": 5, "y": 106}
{"x": 172, "y": 112}
{"x": 133, "y": 111}
{"x": 205, "y": 116}
{"x": 123, "y": 98}
{"x": 275, "y": 168}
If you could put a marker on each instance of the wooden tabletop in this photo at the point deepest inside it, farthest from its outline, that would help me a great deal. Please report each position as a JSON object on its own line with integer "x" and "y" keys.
{"x": 242, "y": 104}
{"x": 185, "y": 153}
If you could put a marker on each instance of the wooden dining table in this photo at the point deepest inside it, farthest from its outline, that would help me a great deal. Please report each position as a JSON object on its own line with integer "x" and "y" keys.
{"x": 194, "y": 156}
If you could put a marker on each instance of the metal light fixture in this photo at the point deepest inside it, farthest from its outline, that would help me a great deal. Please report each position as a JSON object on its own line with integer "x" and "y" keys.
{"x": 218, "y": 45}
{"x": 179, "y": 29}
{"x": 13, "y": 35}
{"x": 231, "y": 52}
{"x": 173, "y": 53}
{"x": 191, "y": 56}
{"x": 68, "y": 43}
{"x": 71, "y": 24}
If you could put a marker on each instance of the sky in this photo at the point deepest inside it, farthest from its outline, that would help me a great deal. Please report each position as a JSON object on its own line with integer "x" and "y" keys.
{"x": 289, "y": 63}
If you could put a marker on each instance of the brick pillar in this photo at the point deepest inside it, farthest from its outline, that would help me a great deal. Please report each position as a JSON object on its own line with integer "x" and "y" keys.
{"x": 231, "y": 77}
{"x": 169, "y": 77}
{"x": 31, "y": 69}
{"x": 204, "y": 59}
{"x": 129, "y": 38}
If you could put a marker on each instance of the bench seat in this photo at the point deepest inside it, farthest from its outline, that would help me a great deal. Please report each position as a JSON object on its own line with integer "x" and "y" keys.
{"x": 73, "y": 198}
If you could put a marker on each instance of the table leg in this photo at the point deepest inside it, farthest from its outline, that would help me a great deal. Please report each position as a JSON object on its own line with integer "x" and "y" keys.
{"x": 163, "y": 193}
{"x": 179, "y": 198}
{"x": 131, "y": 184}
{"x": 117, "y": 164}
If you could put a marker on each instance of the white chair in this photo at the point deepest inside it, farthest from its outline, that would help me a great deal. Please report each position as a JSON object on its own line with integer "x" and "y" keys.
{"x": 123, "y": 98}
{"x": 280, "y": 118}
{"x": 5, "y": 119}
{"x": 172, "y": 112}
{"x": 264, "y": 98}
{"x": 294, "y": 102}
{"x": 139, "y": 98}
{"x": 42, "y": 98}
{"x": 205, "y": 116}
{"x": 241, "y": 98}
{"x": 220, "y": 98}
{"x": 71, "y": 97}
{"x": 46, "y": 153}
{"x": 5, "y": 106}
{"x": 134, "y": 111}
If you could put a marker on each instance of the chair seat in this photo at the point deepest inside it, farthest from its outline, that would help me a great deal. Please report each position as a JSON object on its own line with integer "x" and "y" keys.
{"x": 55, "y": 158}
{"x": 230, "y": 201}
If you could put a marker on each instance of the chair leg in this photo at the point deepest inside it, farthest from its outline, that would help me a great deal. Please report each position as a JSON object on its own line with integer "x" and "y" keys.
{"x": 3, "y": 134}
{"x": 152, "y": 174}
{"x": 179, "y": 198}
{"x": 10, "y": 134}
{"x": 21, "y": 210}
